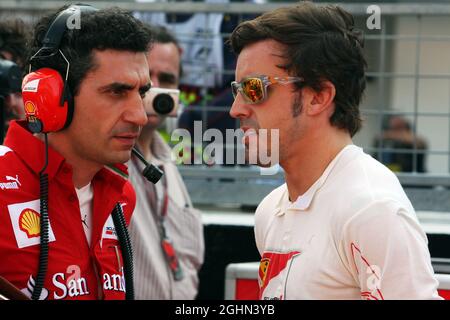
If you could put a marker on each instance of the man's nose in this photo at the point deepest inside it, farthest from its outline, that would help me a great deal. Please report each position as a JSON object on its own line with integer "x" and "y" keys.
{"x": 239, "y": 109}
{"x": 136, "y": 112}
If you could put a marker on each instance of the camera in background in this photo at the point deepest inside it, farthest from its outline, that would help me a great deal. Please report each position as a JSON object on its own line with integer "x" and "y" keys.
{"x": 163, "y": 101}
{"x": 10, "y": 78}
{"x": 10, "y": 83}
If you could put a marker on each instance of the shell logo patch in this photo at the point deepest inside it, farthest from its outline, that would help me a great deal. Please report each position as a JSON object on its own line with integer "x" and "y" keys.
{"x": 25, "y": 220}
{"x": 30, "y": 108}
{"x": 30, "y": 223}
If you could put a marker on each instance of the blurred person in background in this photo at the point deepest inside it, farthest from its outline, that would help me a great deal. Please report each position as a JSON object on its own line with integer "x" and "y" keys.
{"x": 166, "y": 231}
{"x": 208, "y": 62}
{"x": 13, "y": 47}
{"x": 398, "y": 134}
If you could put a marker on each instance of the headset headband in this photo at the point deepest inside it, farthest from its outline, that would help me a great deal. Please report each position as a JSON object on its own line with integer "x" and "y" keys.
{"x": 55, "y": 32}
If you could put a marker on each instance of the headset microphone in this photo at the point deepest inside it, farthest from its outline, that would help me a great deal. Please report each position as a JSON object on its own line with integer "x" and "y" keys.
{"x": 151, "y": 172}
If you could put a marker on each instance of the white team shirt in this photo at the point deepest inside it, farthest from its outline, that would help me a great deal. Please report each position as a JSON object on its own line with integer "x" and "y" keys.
{"x": 85, "y": 196}
{"x": 353, "y": 235}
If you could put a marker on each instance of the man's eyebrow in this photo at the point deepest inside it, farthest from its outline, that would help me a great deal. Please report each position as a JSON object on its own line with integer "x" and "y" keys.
{"x": 167, "y": 77}
{"x": 145, "y": 88}
{"x": 116, "y": 86}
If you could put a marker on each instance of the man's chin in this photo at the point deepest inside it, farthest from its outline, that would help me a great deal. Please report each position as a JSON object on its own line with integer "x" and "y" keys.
{"x": 255, "y": 159}
{"x": 119, "y": 157}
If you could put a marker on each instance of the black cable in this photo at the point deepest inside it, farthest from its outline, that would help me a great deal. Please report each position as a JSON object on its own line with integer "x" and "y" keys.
{"x": 44, "y": 225}
{"x": 136, "y": 152}
{"x": 119, "y": 223}
{"x": 150, "y": 172}
{"x": 127, "y": 250}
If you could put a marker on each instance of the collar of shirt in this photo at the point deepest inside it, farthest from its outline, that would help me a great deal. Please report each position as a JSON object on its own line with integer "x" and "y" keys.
{"x": 32, "y": 151}
{"x": 304, "y": 201}
{"x": 160, "y": 150}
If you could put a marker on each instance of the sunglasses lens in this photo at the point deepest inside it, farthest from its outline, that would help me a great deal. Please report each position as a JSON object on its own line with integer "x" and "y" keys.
{"x": 253, "y": 89}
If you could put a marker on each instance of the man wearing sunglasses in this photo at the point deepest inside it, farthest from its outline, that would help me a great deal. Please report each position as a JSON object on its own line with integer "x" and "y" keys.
{"x": 341, "y": 227}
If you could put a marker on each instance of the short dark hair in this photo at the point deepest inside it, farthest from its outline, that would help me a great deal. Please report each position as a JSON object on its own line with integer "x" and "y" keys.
{"x": 321, "y": 44}
{"x": 111, "y": 28}
{"x": 161, "y": 34}
{"x": 13, "y": 39}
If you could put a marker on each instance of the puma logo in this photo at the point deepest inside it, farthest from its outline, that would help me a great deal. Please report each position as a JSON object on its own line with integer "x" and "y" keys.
{"x": 13, "y": 183}
{"x": 16, "y": 179}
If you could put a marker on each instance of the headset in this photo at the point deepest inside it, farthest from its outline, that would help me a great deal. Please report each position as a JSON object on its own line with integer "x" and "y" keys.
{"x": 48, "y": 100}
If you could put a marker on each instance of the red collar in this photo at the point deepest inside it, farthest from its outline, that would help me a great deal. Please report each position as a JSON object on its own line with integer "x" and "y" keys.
{"x": 32, "y": 152}
{"x": 31, "y": 149}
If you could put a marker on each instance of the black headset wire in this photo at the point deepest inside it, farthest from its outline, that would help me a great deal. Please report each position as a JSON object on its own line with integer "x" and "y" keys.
{"x": 44, "y": 225}
{"x": 127, "y": 250}
{"x": 119, "y": 223}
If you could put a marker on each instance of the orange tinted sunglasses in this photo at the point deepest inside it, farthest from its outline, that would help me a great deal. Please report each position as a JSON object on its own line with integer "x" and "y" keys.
{"x": 254, "y": 89}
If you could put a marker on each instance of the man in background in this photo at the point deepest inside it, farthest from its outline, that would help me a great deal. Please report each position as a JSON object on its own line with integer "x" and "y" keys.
{"x": 399, "y": 134}
{"x": 166, "y": 231}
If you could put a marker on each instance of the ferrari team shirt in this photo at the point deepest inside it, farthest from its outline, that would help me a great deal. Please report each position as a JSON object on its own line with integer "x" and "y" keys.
{"x": 75, "y": 269}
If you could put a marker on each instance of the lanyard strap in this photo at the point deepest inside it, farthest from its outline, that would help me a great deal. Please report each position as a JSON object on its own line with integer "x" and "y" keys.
{"x": 160, "y": 216}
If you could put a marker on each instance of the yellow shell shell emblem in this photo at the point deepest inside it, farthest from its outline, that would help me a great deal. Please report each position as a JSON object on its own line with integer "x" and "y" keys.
{"x": 30, "y": 223}
{"x": 30, "y": 107}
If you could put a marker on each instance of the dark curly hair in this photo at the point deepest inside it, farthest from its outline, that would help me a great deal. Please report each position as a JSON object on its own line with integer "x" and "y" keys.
{"x": 321, "y": 44}
{"x": 111, "y": 28}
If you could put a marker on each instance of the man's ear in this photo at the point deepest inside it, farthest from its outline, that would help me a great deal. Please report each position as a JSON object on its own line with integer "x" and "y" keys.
{"x": 320, "y": 101}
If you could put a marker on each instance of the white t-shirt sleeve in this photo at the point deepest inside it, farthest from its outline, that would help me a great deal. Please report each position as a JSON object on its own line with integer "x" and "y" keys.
{"x": 386, "y": 251}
